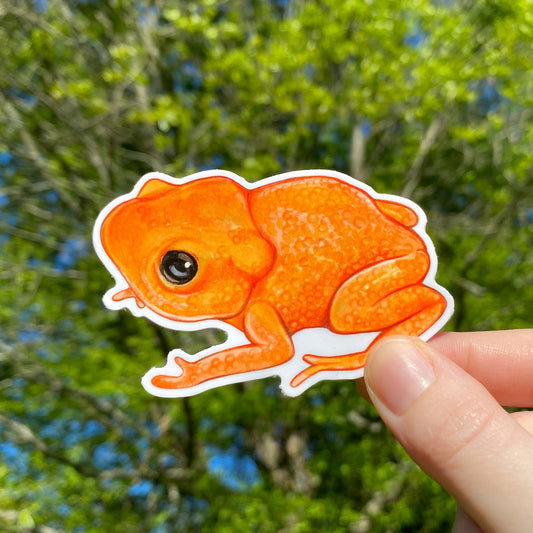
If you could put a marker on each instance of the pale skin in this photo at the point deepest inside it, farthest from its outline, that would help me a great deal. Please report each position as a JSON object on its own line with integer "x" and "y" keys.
{"x": 443, "y": 399}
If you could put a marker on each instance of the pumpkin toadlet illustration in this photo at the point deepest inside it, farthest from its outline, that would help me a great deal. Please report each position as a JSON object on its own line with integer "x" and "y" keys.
{"x": 304, "y": 271}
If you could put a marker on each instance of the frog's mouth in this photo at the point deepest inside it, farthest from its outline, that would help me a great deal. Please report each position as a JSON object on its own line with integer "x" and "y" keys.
{"x": 125, "y": 294}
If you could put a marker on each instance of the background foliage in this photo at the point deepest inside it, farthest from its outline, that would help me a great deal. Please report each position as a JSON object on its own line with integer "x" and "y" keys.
{"x": 430, "y": 99}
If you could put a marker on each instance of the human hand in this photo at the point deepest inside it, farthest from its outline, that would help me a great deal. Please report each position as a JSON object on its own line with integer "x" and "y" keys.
{"x": 442, "y": 401}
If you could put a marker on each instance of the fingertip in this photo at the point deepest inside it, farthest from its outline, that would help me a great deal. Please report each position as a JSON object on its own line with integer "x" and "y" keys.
{"x": 464, "y": 524}
{"x": 398, "y": 371}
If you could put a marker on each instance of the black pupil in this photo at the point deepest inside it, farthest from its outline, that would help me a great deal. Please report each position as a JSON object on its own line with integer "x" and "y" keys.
{"x": 178, "y": 267}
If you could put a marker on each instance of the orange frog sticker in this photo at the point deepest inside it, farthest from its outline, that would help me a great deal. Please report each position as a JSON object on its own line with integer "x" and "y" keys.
{"x": 304, "y": 271}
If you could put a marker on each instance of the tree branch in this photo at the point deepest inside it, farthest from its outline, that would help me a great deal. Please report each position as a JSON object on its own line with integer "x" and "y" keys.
{"x": 33, "y": 154}
{"x": 22, "y": 434}
{"x": 10, "y": 520}
{"x": 357, "y": 153}
{"x": 426, "y": 144}
{"x": 32, "y": 371}
{"x": 380, "y": 499}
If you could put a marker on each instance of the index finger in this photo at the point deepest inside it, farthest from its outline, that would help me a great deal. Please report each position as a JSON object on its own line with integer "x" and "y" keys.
{"x": 501, "y": 360}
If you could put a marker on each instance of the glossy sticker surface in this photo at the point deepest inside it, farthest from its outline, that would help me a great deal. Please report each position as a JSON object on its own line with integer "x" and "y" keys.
{"x": 304, "y": 271}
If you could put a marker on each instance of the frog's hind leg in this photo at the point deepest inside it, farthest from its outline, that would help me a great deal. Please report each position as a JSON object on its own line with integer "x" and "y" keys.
{"x": 431, "y": 308}
{"x": 387, "y": 297}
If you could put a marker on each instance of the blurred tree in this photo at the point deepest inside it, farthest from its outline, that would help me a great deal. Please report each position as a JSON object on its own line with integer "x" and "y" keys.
{"x": 433, "y": 101}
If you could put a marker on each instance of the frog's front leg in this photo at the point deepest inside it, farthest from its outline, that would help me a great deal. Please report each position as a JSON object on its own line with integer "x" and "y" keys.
{"x": 270, "y": 346}
{"x": 387, "y": 297}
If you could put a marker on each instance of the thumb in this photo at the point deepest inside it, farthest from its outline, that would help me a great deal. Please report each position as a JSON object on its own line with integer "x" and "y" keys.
{"x": 456, "y": 431}
{"x": 464, "y": 524}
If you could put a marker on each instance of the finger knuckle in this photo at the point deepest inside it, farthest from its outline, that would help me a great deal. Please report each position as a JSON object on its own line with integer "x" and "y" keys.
{"x": 467, "y": 428}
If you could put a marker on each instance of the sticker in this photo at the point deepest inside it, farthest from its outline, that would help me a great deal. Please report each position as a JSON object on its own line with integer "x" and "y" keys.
{"x": 304, "y": 271}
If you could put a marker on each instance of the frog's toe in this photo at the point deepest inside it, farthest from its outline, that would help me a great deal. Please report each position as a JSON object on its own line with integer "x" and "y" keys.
{"x": 315, "y": 359}
{"x": 166, "y": 382}
{"x": 303, "y": 375}
{"x": 310, "y": 371}
{"x": 328, "y": 363}
{"x": 336, "y": 362}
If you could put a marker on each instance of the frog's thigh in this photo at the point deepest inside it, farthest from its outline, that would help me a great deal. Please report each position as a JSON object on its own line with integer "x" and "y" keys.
{"x": 418, "y": 308}
{"x": 383, "y": 295}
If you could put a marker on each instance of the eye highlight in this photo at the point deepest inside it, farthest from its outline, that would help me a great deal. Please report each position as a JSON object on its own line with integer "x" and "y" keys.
{"x": 178, "y": 267}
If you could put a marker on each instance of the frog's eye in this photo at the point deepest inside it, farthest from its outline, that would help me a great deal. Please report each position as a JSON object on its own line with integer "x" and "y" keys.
{"x": 178, "y": 267}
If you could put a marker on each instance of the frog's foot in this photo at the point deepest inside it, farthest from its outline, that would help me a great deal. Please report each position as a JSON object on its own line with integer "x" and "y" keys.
{"x": 188, "y": 378}
{"x": 324, "y": 363}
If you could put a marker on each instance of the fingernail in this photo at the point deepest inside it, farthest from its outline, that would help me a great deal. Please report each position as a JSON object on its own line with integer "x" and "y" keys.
{"x": 397, "y": 372}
